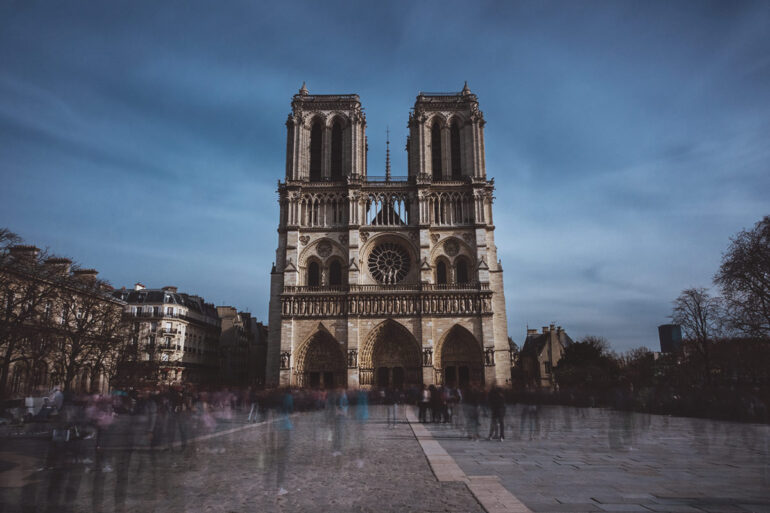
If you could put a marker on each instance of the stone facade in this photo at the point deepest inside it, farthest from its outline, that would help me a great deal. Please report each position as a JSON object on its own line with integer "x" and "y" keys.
{"x": 541, "y": 354}
{"x": 176, "y": 335}
{"x": 386, "y": 280}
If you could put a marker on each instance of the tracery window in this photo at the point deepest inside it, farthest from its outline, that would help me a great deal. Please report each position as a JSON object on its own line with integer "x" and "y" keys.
{"x": 389, "y": 263}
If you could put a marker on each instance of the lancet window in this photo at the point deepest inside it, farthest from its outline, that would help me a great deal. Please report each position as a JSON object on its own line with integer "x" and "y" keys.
{"x": 316, "y": 144}
{"x": 435, "y": 151}
{"x": 387, "y": 209}
{"x": 454, "y": 137}
{"x": 336, "y": 151}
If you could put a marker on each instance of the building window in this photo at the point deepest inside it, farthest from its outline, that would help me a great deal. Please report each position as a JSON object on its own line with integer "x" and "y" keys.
{"x": 441, "y": 273}
{"x": 316, "y": 133}
{"x": 313, "y": 275}
{"x": 454, "y": 136}
{"x": 336, "y": 157}
{"x": 462, "y": 271}
{"x": 435, "y": 150}
{"x": 335, "y": 273}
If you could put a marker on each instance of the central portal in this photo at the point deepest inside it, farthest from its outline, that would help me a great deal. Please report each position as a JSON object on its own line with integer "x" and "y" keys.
{"x": 391, "y": 358}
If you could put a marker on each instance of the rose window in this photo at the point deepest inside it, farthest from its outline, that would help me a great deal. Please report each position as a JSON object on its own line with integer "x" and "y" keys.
{"x": 388, "y": 263}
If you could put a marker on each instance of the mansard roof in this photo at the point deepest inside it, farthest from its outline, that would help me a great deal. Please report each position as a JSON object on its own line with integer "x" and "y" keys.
{"x": 160, "y": 296}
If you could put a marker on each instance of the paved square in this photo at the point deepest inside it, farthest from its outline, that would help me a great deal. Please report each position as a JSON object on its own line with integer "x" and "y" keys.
{"x": 569, "y": 459}
{"x": 373, "y": 469}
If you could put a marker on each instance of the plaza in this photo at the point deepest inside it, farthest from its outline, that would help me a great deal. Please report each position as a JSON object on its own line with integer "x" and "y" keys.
{"x": 555, "y": 460}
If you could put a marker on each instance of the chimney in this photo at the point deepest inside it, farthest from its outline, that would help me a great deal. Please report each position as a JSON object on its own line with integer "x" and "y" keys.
{"x": 59, "y": 266}
{"x": 138, "y": 286}
{"x": 545, "y": 329}
{"x": 531, "y": 332}
{"x": 26, "y": 254}
{"x": 169, "y": 288}
{"x": 87, "y": 275}
{"x": 553, "y": 327}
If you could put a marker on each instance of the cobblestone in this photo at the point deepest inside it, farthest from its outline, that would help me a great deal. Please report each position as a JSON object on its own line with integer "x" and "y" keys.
{"x": 374, "y": 469}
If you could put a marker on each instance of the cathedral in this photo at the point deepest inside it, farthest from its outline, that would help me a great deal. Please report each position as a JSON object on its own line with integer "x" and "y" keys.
{"x": 386, "y": 280}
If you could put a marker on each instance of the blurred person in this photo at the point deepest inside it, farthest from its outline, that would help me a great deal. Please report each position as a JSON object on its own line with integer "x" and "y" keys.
{"x": 530, "y": 420}
{"x": 390, "y": 400}
{"x": 471, "y": 409}
{"x": 424, "y": 400}
{"x": 340, "y": 420}
{"x": 57, "y": 398}
{"x": 496, "y": 402}
{"x": 284, "y": 428}
{"x": 362, "y": 416}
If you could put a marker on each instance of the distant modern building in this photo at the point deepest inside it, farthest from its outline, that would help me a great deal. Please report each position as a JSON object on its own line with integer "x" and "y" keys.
{"x": 541, "y": 354}
{"x": 243, "y": 348}
{"x": 176, "y": 336}
{"x": 670, "y": 336}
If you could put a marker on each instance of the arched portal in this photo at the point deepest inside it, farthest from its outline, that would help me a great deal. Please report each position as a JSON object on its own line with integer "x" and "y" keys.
{"x": 390, "y": 358}
{"x": 320, "y": 362}
{"x": 459, "y": 360}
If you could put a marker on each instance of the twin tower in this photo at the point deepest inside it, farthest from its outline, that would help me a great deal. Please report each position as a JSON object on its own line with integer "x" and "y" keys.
{"x": 386, "y": 281}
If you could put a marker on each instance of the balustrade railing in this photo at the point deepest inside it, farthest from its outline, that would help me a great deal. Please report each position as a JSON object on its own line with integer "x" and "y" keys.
{"x": 380, "y": 288}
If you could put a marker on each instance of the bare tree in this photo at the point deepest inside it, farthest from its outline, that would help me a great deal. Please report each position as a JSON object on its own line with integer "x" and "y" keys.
{"x": 744, "y": 278}
{"x": 701, "y": 317}
{"x": 91, "y": 326}
{"x": 27, "y": 292}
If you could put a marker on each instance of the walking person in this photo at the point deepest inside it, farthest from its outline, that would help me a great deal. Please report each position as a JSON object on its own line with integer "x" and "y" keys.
{"x": 423, "y": 404}
{"x": 496, "y": 401}
{"x": 471, "y": 406}
{"x": 391, "y": 405}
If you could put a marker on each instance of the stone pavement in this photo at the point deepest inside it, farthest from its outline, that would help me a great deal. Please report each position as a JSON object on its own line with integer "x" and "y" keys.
{"x": 322, "y": 465}
{"x": 569, "y": 459}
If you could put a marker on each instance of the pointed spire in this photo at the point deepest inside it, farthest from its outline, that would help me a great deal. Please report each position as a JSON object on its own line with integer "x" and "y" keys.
{"x": 387, "y": 154}
{"x": 303, "y": 90}
{"x": 466, "y": 89}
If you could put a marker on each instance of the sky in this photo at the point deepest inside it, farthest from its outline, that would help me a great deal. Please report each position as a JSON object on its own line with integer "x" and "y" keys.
{"x": 628, "y": 140}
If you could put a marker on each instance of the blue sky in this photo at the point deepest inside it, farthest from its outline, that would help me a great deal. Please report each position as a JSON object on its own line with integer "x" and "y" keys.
{"x": 628, "y": 140}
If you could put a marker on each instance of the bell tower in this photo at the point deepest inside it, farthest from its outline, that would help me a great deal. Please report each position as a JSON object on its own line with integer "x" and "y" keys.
{"x": 325, "y": 137}
{"x": 446, "y": 136}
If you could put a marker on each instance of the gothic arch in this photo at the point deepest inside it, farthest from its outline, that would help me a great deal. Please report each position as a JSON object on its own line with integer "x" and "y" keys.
{"x": 459, "y": 348}
{"x": 390, "y": 345}
{"x": 445, "y": 249}
{"x": 340, "y": 117}
{"x": 446, "y": 279}
{"x": 458, "y": 118}
{"x": 320, "y": 354}
{"x": 436, "y": 118}
{"x": 313, "y": 251}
